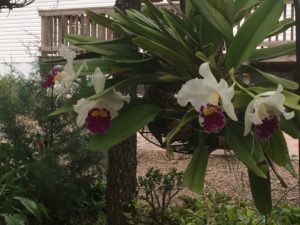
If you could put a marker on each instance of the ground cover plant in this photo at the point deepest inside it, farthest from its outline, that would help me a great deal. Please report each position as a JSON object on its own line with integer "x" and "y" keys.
{"x": 192, "y": 64}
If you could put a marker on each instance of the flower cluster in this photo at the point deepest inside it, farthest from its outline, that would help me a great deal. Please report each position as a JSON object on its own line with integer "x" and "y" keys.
{"x": 96, "y": 114}
{"x": 212, "y": 98}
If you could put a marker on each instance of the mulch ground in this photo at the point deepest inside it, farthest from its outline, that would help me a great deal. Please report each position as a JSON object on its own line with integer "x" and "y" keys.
{"x": 224, "y": 174}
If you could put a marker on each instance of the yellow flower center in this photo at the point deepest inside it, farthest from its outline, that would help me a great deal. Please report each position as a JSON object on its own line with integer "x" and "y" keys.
{"x": 214, "y": 98}
{"x": 58, "y": 77}
{"x": 208, "y": 111}
{"x": 99, "y": 113}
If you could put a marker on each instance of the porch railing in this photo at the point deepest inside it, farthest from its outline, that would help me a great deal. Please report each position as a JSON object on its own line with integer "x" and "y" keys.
{"x": 55, "y": 24}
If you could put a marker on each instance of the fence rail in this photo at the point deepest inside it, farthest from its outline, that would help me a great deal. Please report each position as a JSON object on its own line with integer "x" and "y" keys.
{"x": 56, "y": 24}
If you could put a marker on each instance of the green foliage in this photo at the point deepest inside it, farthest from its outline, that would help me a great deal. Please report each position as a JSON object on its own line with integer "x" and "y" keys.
{"x": 62, "y": 173}
{"x": 156, "y": 190}
{"x": 218, "y": 209}
{"x": 15, "y": 206}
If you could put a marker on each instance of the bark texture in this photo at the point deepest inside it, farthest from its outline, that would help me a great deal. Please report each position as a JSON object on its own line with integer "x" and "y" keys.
{"x": 122, "y": 162}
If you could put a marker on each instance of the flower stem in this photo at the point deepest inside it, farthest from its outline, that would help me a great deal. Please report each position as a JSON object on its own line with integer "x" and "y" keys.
{"x": 240, "y": 86}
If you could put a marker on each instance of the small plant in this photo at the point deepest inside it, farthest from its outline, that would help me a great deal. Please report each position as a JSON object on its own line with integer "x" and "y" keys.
{"x": 15, "y": 207}
{"x": 158, "y": 190}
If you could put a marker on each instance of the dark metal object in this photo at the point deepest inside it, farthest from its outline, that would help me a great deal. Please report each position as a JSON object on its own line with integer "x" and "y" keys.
{"x": 11, "y": 4}
{"x": 297, "y": 71}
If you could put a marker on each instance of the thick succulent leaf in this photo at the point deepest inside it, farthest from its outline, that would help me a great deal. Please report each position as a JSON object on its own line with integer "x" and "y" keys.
{"x": 242, "y": 7}
{"x": 253, "y": 31}
{"x": 241, "y": 99}
{"x": 292, "y": 126}
{"x": 154, "y": 10}
{"x": 118, "y": 47}
{"x": 178, "y": 61}
{"x": 146, "y": 78}
{"x": 184, "y": 33}
{"x": 141, "y": 18}
{"x": 194, "y": 174}
{"x": 286, "y": 84}
{"x": 127, "y": 123}
{"x": 277, "y": 151}
{"x": 261, "y": 192}
{"x": 181, "y": 123}
{"x": 242, "y": 147}
{"x": 282, "y": 26}
{"x": 292, "y": 100}
{"x": 68, "y": 107}
{"x": 273, "y": 52}
{"x": 100, "y": 19}
{"x": 214, "y": 17}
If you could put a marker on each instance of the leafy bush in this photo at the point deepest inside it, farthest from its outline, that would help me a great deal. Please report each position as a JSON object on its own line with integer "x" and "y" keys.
{"x": 15, "y": 207}
{"x": 63, "y": 174}
{"x": 155, "y": 206}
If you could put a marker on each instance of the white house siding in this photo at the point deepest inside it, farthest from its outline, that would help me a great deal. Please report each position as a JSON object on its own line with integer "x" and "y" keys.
{"x": 20, "y": 31}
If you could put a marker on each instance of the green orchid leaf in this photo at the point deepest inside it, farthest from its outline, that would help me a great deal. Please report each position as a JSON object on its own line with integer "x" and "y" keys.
{"x": 241, "y": 99}
{"x": 242, "y": 147}
{"x": 292, "y": 126}
{"x": 242, "y": 7}
{"x": 141, "y": 18}
{"x": 67, "y": 107}
{"x": 157, "y": 14}
{"x": 286, "y": 84}
{"x": 147, "y": 78}
{"x": 194, "y": 174}
{"x": 277, "y": 150}
{"x": 273, "y": 52}
{"x": 214, "y": 17}
{"x": 126, "y": 124}
{"x": 178, "y": 127}
{"x": 100, "y": 19}
{"x": 253, "y": 31}
{"x": 261, "y": 192}
{"x": 108, "y": 48}
{"x": 181, "y": 26}
{"x": 282, "y": 26}
{"x": 171, "y": 56}
{"x": 292, "y": 100}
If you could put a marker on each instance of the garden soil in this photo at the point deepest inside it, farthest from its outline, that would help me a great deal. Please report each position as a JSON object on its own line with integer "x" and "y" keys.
{"x": 224, "y": 173}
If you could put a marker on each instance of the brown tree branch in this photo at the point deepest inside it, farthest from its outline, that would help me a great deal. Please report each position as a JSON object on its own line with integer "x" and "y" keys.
{"x": 11, "y": 4}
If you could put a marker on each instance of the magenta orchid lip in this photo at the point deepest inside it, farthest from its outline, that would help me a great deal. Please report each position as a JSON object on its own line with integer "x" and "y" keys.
{"x": 98, "y": 120}
{"x": 267, "y": 128}
{"x": 212, "y": 117}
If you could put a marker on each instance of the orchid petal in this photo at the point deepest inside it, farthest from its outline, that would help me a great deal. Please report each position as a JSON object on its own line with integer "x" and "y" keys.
{"x": 82, "y": 108}
{"x": 192, "y": 91}
{"x": 205, "y": 72}
{"x": 248, "y": 122}
{"x": 114, "y": 101}
{"x": 99, "y": 80}
{"x": 226, "y": 94}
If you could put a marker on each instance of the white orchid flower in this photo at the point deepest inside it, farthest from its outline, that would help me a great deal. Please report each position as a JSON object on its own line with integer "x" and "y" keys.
{"x": 63, "y": 80}
{"x": 264, "y": 112}
{"x": 98, "y": 114}
{"x": 204, "y": 95}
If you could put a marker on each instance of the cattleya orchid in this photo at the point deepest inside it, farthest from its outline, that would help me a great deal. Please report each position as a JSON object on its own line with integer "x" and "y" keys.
{"x": 264, "y": 112}
{"x": 204, "y": 95}
{"x": 98, "y": 114}
{"x": 62, "y": 80}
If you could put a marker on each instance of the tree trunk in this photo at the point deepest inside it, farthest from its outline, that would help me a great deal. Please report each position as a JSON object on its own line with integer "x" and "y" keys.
{"x": 122, "y": 162}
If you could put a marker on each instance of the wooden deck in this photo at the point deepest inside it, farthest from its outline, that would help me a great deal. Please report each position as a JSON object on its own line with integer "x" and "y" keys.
{"x": 55, "y": 24}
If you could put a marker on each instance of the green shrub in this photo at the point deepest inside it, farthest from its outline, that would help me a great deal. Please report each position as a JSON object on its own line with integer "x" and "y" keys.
{"x": 62, "y": 173}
